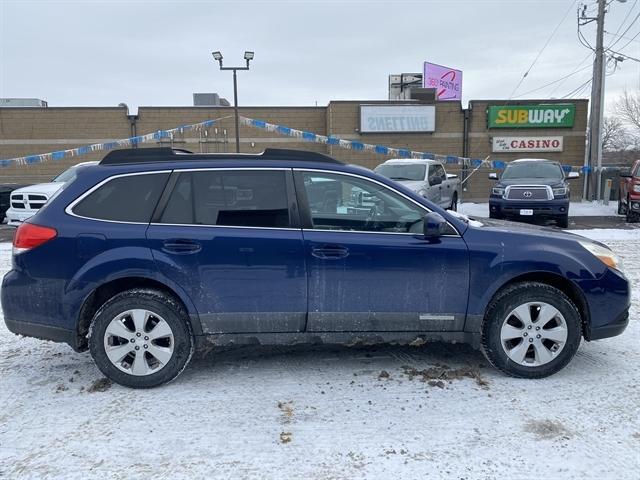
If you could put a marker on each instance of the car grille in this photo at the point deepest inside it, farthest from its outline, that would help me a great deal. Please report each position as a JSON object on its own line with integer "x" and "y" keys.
{"x": 528, "y": 193}
{"x": 28, "y": 201}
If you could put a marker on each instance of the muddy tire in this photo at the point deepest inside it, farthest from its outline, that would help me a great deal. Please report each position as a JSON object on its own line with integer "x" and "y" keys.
{"x": 141, "y": 338}
{"x": 531, "y": 330}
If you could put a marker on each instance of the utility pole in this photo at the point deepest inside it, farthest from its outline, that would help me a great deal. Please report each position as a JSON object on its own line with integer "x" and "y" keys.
{"x": 595, "y": 113}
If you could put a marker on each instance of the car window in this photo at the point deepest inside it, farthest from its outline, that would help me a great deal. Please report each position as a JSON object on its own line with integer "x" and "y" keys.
{"x": 533, "y": 170}
{"x": 66, "y": 176}
{"x": 401, "y": 171}
{"x": 341, "y": 202}
{"x": 229, "y": 198}
{"x": 439, "y": 172}
{"x": 124, "y": 199}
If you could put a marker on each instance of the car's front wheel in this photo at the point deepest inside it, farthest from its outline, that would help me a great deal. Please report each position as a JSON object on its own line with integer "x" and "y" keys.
{"x": 531, "y": 330}
{"x": 141, "y": 338}
{"x": 563, "y": 221}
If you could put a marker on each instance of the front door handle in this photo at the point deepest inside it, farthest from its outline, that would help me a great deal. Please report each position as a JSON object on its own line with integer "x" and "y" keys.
{"x": 329, "y": 252}
{"x": 181, "y": 246}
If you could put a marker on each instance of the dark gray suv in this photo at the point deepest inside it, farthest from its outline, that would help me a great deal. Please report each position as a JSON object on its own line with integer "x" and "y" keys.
{"x": 531, "y": 189}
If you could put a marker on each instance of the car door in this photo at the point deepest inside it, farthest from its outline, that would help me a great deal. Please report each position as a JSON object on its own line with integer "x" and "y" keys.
{"x": 369, "y": 267}
{"x": 230, "y": 238}
{"x": 445, "y": 187}
{"x": 434, "y": 188}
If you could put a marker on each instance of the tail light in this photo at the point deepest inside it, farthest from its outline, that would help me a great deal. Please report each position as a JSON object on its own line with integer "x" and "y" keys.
{"x": 29, "y": 235}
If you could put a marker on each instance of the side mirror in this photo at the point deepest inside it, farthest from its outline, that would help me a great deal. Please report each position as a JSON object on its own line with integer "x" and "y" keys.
{"x": 571, "y": 175}
{"x": 493, "y": 176}
{"x": 435, "y": 181}
{"x": 434, "y": 225}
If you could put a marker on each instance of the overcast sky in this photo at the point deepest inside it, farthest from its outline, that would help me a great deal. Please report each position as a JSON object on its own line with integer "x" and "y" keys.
{"x": 101, "y": 53}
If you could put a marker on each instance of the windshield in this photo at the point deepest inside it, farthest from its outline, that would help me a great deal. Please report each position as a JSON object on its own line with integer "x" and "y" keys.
{"x": 402, "y": 172}
{"x": 533, "y": 170}
{"x": 66, "y": 176}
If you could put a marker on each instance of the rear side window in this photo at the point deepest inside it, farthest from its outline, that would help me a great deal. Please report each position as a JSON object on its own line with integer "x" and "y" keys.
{"x": 124, "y": 199}
{"x": 229, "y": 198}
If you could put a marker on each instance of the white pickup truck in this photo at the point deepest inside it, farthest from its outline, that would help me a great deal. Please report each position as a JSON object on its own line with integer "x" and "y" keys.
{"x": 426, "y": 177}
{"x": 25, "y": 202}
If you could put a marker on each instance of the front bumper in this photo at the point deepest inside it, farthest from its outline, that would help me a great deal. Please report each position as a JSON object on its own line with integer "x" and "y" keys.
{"x": 16, "y": 217}
{"x": 541, "y": 208}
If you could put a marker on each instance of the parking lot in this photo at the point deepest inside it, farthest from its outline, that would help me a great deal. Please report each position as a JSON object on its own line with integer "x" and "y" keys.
{"x": 435, "y": 411}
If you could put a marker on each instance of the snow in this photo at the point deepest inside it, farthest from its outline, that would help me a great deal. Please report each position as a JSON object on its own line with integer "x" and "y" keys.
{"x": 576, "y": 209}
{"x": 325, "y": 413}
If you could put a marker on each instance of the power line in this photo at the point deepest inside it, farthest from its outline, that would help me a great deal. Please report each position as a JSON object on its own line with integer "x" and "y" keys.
{"x": 625, "y": 38}
{"x": 543, "y": 48}
{"x": 580, "y": 87}
{"x": 556, "y": 81}
{"x": 589, "y": 55}
{"x": 625, "y": 32}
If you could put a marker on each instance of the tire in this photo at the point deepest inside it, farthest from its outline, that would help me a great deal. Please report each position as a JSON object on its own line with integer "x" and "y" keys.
{"x": 621, "y": 208}
{"x": 114, "y": 324}
{"x": 631, "y": 216}
{"x": 540, "y": 359}
{"x": 454, "y": 202}
{"x": 563, "y": 221}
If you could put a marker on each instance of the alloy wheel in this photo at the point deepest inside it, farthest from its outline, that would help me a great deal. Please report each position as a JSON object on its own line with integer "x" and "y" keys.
{"x": 533, "y": 334}
{"x": 139, "y": 342}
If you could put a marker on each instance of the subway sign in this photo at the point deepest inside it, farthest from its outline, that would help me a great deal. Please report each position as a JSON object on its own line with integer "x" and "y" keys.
{"x": 531, "y": 116}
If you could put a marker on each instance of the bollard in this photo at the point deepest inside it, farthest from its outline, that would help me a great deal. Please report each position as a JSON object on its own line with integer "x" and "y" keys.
{"x": 607, "y": 191}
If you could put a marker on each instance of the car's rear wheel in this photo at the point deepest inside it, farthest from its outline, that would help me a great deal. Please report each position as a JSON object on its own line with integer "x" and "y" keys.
{"x": 141, "y": 338}
{"x": 454, "y": 202}
{"x": 531, "y": 330}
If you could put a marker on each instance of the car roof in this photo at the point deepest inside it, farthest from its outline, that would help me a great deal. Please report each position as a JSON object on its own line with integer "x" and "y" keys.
{"x": 408, "y": 161}
{"x": 526, "y": 160}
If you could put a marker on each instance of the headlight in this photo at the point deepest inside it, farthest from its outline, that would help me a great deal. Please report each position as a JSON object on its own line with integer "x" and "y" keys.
{"x": 497, "y": 191}
{"x": 636, "y": 188}
{"x": 559, "y": 191}
{"x": 605, "y": 255}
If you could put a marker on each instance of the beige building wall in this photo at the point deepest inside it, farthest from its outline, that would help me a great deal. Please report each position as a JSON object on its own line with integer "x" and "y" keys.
{"x": 27, "y": 131}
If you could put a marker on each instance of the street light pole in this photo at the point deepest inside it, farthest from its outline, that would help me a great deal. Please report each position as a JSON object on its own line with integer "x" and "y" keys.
{"x": 248, "y": 56}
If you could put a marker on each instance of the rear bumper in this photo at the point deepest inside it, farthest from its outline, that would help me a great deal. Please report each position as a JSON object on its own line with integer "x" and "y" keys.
{"x": 35, "y": 308}
{"x": 43, "y": 332}
{"x": 542, "y": 208}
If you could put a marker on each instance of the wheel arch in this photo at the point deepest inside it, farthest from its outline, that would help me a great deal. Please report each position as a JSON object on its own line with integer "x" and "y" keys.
{"x": 107, "y": 290}
{"x": 566, "y": 286}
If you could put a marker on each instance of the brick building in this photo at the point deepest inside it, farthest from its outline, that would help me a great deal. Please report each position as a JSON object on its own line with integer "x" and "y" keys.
{"x": 497, "y": 129}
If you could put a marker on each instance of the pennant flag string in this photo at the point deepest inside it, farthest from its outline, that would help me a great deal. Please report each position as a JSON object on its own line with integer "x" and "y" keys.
{"x": 306, "y": 136}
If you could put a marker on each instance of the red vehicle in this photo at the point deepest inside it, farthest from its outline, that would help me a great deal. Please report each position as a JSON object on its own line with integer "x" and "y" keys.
{"x": 629, "y": 202}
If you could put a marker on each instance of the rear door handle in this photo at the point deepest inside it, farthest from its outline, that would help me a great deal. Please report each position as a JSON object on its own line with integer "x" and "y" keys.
{"x": 329, "y": 252}
{"x": 181, "y": 246}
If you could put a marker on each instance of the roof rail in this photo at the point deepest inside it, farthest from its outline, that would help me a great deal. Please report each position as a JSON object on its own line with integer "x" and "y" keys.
{"x": 140, "y": 155}
{"x": 302, "y": 155}
{"x": 167, "y": 154}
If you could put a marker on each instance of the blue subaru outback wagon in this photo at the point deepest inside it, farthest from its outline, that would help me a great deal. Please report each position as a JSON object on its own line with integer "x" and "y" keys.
{"x": 155, "y": 252}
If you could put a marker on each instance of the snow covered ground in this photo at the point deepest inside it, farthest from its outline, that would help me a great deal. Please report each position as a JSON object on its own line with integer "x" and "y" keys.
{"x": 576, "y": 209}
{"x": 326, "y": 413}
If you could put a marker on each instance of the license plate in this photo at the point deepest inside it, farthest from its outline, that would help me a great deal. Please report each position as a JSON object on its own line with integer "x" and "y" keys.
{"x": 525, "y": 211}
